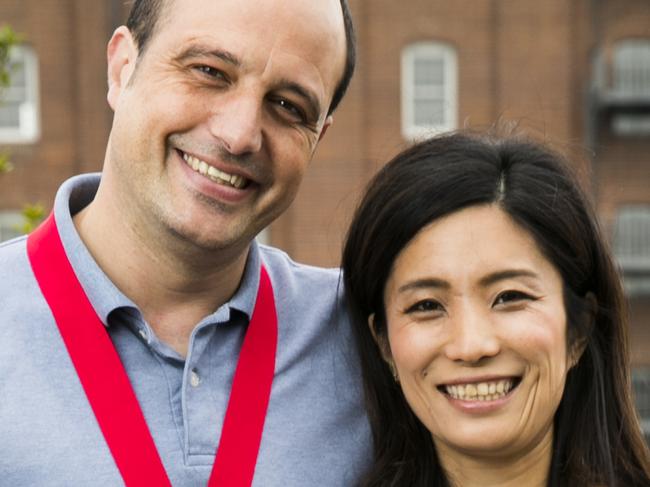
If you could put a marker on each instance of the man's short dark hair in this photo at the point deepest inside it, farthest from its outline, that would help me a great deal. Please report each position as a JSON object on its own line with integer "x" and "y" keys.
{"x": 145, "y": 15}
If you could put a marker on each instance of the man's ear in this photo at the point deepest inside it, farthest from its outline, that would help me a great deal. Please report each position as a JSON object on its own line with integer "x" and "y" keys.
{"x": 328, "y": 121}
{"x": 121, "y": 55}
{"x": 588, "y": 321}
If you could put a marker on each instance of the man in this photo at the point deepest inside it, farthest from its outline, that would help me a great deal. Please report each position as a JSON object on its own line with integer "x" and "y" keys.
{"x": 218, "y": 108}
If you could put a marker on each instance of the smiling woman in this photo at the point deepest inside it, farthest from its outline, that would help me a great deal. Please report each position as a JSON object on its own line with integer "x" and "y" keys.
{"x": 490, "y": 322}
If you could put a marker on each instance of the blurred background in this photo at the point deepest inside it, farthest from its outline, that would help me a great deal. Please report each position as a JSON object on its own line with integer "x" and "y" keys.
{"x": 574, "y": 73}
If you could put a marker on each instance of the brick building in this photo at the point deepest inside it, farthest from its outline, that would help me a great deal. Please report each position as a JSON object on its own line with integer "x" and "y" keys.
{"x": 574, "y": 72}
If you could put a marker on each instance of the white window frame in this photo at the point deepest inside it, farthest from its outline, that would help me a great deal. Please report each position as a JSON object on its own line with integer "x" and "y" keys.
{"x": 631, "y": 234}
{"x": 437, "y": 51}
{"x": 28, "y": 129}
{"x": 641, "y": 390}
{"x": 10, "y": 223}
{"x": 631, "y": 56}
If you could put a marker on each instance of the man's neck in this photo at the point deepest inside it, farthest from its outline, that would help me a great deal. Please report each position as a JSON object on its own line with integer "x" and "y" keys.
{"x": 173, "y": 285}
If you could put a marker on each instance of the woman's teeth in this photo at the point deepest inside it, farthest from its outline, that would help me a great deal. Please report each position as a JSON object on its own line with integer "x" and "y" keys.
{"x": 213, "y": 173}
{"x": 480, "y": 391}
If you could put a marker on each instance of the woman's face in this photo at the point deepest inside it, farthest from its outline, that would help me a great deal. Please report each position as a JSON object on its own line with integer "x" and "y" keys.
{"x": 477, "y": 332}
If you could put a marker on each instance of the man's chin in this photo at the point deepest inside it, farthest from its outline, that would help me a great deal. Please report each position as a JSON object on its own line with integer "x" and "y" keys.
{"x": 210, "y": 238}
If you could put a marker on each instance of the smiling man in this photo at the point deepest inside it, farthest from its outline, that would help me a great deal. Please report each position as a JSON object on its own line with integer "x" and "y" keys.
{"x": 146, "y": 338}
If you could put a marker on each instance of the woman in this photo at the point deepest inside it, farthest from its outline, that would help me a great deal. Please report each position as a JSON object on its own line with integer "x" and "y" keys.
{"x": 491, "y": 323}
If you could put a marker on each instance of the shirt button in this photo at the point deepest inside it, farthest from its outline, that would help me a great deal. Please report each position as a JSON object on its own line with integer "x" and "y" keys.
{"x": 195, "y": 380}
{"x": 143, "y": 333}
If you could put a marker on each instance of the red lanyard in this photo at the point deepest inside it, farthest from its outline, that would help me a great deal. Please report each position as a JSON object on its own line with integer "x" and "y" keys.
{"x": 110, "y": 393}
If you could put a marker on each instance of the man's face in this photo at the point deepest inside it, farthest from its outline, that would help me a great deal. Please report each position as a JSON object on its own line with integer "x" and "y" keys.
{"x": 216, "y": 124}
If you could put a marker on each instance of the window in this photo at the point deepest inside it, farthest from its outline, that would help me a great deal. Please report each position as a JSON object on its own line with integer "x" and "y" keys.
{"x": 632, "y": 247}
{"x": 631, "y": 124}
{"x": 631, "y": 83}
{"x": 19, "y": 118}
{"x": 429, "y": 91}
{"x": 631, "y": 76}
{"x": 10, "y": 223}
{"x": 641, "y": 389}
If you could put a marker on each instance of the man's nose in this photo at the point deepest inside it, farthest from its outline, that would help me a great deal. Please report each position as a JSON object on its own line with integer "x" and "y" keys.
{"x": 471, "y": 336}
{"x": 237, "y": 123}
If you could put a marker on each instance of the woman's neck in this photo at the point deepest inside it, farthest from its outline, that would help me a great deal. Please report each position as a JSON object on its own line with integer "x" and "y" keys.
{"x": 522, "y": 469}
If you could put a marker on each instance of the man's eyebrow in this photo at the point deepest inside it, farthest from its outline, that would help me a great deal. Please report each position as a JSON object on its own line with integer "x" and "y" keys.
{"x": 426, "y": 283}
{"x": 308, "y": 95}
{"x": 199, "y": 50}
{"x": 506, "y": 274}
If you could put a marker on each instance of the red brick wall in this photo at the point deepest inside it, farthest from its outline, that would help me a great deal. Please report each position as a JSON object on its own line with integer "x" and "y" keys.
{"x": 69, "y": 38}
{"x": 515, "y": 63}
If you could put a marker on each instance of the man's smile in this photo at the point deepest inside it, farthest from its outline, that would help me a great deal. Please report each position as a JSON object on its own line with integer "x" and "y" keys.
{"x": 214, "y": 174}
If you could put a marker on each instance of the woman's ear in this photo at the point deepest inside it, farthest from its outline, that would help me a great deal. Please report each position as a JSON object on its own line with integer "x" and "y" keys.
{"x": 383, "y": 345}
{"x": 588, "y": 318}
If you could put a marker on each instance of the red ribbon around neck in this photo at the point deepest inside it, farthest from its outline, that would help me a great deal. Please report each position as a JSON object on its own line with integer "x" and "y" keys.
{"x": 109, "y": 391}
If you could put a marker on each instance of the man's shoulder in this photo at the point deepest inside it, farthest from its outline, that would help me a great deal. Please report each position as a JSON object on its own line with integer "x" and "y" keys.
{"x": 314, "y": 293}
{"x": 13, "y": 245}
{"x": 282, "y": 266}
{"x": 17, "y": 282}
{"x": 13, "y": 259}
{"x": 23, "y": 310}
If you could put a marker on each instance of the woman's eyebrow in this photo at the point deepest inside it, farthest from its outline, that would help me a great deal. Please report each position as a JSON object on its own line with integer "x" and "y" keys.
{"x": 493, "y": 277}
{"x": 506, "y": 274}
{"x": 425, "y": 283}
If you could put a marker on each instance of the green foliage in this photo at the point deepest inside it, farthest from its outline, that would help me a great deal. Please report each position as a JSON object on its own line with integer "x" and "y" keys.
{"x": 5, "y": 165}
{"x": 32, "y": 216}
{"x": 8, "y": 38}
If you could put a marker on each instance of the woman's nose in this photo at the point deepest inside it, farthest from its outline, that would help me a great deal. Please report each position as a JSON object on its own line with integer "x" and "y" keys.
{"x": 471, "y": 336}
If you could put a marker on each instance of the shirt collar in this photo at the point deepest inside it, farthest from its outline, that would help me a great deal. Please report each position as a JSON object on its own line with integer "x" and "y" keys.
{"x": 75, "y": 194}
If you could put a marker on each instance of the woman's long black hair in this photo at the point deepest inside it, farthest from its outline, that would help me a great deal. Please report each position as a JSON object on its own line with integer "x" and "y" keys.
{"x": 597, "y": 440}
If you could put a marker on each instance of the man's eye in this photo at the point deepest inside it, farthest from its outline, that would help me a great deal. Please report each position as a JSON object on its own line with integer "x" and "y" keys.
{"x": 425, "y": 306}
{"x": 512, "y": 297}
{"x": 296, "y": 113}
{"x": 211, "y": 72}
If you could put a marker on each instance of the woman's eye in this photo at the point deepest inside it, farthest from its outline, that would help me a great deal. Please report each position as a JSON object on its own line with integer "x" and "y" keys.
{"x": 512, "y": 297}
{"x": 425, "y": 306}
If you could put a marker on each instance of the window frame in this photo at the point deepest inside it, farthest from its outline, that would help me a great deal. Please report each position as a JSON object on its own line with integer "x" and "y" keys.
{"x": 631, "y": 54}
{"x": 429, "y": 50}
{"x": 641, "y": 394}
{"x": 28, "y": 129}
{"x": 630, "y": 249}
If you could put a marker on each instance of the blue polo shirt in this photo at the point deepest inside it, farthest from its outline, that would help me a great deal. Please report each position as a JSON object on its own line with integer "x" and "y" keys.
{"x": 316, "y": 432}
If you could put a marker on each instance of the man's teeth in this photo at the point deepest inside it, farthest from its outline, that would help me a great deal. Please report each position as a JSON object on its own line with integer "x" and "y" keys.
{"x": 480, "y": 391}
{"x": 213, "y": 173}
